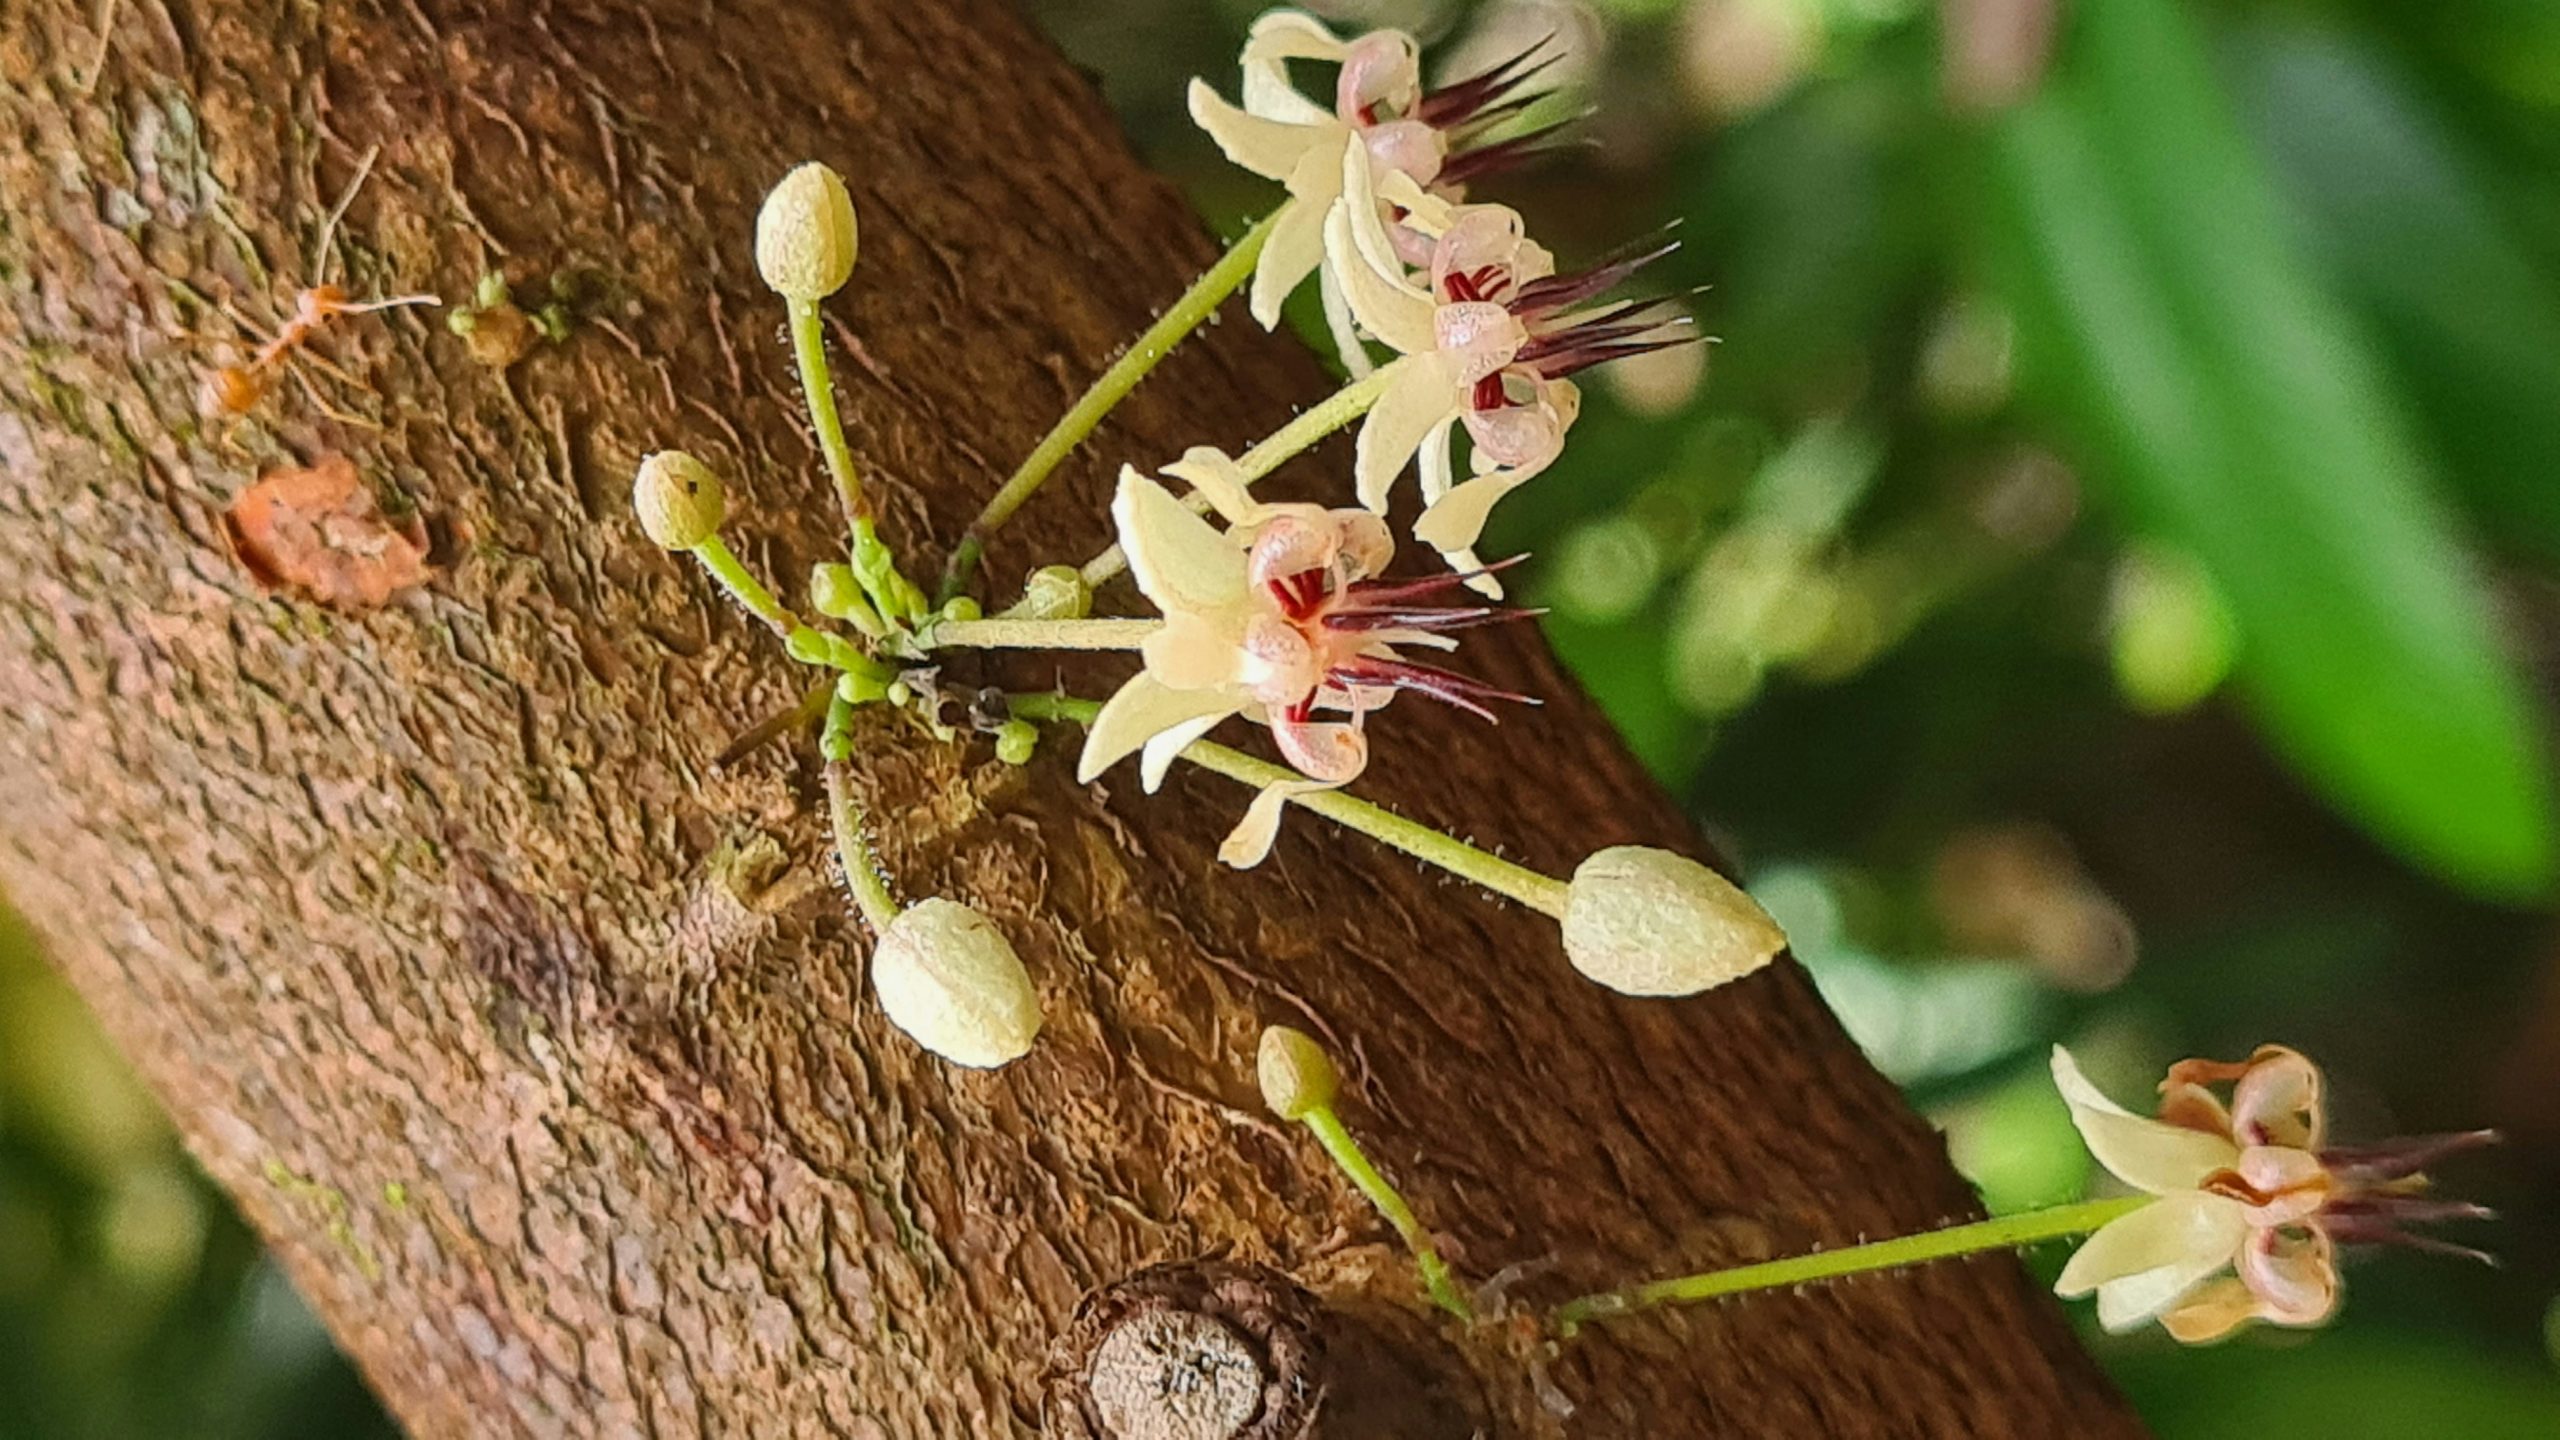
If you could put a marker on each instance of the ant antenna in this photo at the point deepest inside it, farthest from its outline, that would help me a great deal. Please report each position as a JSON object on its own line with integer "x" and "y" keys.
{"x": 329, "y": 227}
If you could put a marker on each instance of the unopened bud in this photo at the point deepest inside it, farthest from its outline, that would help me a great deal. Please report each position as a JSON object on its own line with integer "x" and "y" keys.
{"x": 805, "y": 236}
{"x": 1055, "y": 592}
{"x": 1015, "y": 740}
{"x": 948, "y": 977}
{"x": 679, "y": 500}
{"x": 1297, "y": 1076}
{"x": 1647, "y": 922}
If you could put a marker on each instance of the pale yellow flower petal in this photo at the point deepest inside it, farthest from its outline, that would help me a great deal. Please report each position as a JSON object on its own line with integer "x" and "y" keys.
{"x": 2213, "y": 1311}
{"x": 1220, "y": 481}
{"x": 2147, "y": 1261}
{"x": 1167, "y": 746}
{"x": 1384, "y": 303}
{"x": 1419, "y": 396}
{"x": 1437, "y": 480}
{"x": 2146, "y": 1154}
{"x": 1423, "y": 211}
{"x": 1180, "y": 561}
{"x": 1268, "y": 148}
{"x": 1347, "y": 347}
{"x": 1293, "y": 252}
{"x": 1456, "y": 520}
{"x": 1138, "y": 712}
{"x": 1196, "y": 652}
{"x": 1249, "y": 844}
{"x": 1276, "y": 39}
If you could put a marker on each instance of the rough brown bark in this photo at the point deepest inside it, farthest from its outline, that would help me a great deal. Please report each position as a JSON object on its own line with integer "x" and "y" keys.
{"x": 536, "y": 1046}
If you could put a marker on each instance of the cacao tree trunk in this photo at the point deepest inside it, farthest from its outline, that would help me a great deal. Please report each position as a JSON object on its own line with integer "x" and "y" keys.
{"x": 539, "y": 1047}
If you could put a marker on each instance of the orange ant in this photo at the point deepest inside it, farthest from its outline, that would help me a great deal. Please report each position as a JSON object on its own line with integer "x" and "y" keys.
{"x": 235, "y": 390}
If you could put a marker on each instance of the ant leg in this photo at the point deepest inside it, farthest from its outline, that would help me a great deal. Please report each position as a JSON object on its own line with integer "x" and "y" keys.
{"x": 321, "y": 254}
{"x": 343, "y": 417}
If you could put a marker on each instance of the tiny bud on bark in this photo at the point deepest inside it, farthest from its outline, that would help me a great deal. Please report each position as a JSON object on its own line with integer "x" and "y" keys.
{"x": 805, "y": 235}
{"x": 1297, "y": 1076}
{"x": 679, "y": 500}
{"x": 1647, "y": 922}
{"x": 948, "y": 977}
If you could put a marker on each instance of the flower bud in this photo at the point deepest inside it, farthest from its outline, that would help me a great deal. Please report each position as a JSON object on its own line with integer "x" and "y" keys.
{"x": 1647, "y": 922}
{"x": 805, "y": 236}
{"x": 1016, "y": 740}
{"x": 948, "y": 977}
{"x": 679, "y": 500}
{"x": 1056, "y": 592}
{"x": 1297, "y": 1076}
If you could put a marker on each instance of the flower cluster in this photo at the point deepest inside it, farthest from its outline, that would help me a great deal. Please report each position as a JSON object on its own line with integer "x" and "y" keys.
{"x": 1276, "y": 618}
{"x": 2251, "y": 1187}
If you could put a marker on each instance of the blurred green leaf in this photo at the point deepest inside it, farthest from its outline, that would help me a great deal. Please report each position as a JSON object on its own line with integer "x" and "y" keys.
{"x": 2345, "y": 1385}
{"x": 2232, "y": 410}
{"x": 2388, "y": 197}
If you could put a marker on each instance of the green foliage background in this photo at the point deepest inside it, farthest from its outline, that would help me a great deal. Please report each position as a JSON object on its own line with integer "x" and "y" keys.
{"x": 2102, "y": 581}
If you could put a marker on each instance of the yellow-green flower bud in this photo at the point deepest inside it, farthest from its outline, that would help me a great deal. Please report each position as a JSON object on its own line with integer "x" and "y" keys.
{"x": 948, "y": 977}
{"x": 1055, "y": 592}
{"x": 1297, "y": 1076}
{"x": 1647, "y": 922}
{"x": 1015, "y": 740}
{"x": 961, "y": 607}
{"x": 805, "y": 235}
{"x": 679, "y": 500}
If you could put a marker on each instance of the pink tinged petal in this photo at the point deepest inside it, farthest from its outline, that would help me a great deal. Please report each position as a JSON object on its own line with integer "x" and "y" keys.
{"x": 1480, "y": 236}
{"x": 1418, "y": 397}
{"x": 1367, "y": 545}
{"x": 2292, "y": 1275}
{"x": 2145, "y": 1154}
{"x": 1138, "y": 712}
{"x": 1478, "y": 336}
{"x": 1158, "y": 755}
{"x": 2147, "y": 1261}
{"x": 2277, "y": 1101}
{"x": 1276, "y": 39}
{"x": 1406, "y": 147}
{"x": 1380, "y": 70}
{"x": 1179, "y": 560}
{"x": 1293, "y": 252}
{"x": 2296, "y": 1183}
{"x": 1220, "y": 481}
{"x": 1292, "y": 544}
{"x": 1250, "y": 842}
{"x": 1280, "y": 668}
{"x": 1334, "y": 752}
{"x": 1268, "y": 148}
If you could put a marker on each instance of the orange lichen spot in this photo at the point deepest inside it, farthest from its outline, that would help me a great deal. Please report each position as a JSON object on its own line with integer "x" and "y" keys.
{"x": 321, "y": 532}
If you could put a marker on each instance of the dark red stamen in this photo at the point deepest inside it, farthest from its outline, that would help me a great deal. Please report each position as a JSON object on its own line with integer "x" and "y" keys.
{"x": 1436, "y": 621}
{"x": 1446, "y": 686}
{"x": 1488, "y": 394}
{"x": 1483, "y": 160}
{"x": 2401, "y": 1158}
{"x": 1466, "y": 101}
{"x": 1557, "y": 292}
{"x": 1373, "y": 594}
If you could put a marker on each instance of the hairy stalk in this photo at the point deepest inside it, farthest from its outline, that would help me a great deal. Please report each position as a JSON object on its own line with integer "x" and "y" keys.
{"x": 809, "y": 350}
{"x": 731, "y": 574}
{"x": 1002, "y": 634}
{"x": 1542, "y": 893}
{"x": 1346, "y": 1152}
{"x": 853, "y": 848}
{"x": 1185, "y": 315}
{"x": 1345, "y": 405}
{"x": 2008, "y": 1232}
